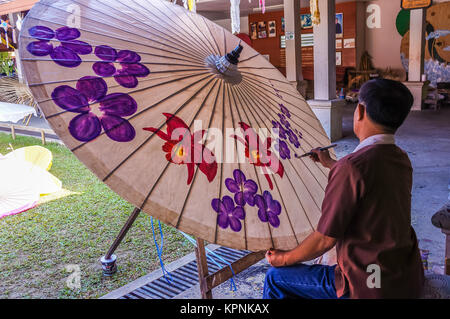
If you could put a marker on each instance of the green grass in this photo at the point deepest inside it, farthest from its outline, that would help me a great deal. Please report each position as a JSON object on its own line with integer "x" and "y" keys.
{"x": 37, "y": 245}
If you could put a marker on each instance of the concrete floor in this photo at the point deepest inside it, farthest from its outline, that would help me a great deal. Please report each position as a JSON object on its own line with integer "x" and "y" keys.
{"x": 425, "y": 136}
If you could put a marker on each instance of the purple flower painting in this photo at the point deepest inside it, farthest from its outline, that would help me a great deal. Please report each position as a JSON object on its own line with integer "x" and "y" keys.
{"x": 293, "y": 138}
{"x": 269, "y": 209}
{"x": 284, "y": 120}
{"x": 67, "y": 54}
{"x": 285, "y": 110}
{"x": 283, "y": 149}
{"x": 130, "y": 70}
{"x": 279, "y": 129}
{"x": 244, "y": 189}
{"x": 87, "y": 125}
{"x": 228, "y": 213}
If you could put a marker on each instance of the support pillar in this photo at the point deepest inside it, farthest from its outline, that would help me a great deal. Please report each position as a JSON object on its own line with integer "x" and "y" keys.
{"x": 416, "y": 56}
{"x": 293, "y": 45}
{"x": 327, "y": 108}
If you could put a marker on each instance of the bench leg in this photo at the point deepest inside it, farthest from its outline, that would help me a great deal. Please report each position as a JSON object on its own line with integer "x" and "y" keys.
{"x": 447, "y": 252}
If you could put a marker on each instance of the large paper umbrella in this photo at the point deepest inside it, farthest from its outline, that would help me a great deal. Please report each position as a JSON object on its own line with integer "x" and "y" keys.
{"x": 155, "y": 101}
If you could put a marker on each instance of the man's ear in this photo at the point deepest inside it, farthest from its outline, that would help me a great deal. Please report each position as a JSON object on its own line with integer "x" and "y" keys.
{"x": 361, "y": 112}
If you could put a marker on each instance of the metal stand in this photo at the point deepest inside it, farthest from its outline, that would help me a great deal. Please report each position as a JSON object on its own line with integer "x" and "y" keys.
{"x": 108, "y": 261}
{"x": 207, "y": 281}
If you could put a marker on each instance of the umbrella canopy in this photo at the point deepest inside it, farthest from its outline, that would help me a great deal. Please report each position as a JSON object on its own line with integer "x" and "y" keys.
{"x": 176, "y": 116}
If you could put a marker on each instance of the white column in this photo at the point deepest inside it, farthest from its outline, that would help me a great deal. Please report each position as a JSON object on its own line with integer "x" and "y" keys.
{"x": 12, "y": 22}
{"x": 325, "y": 105}
{"x": 416, "y": 55}
{"x": 293, "y": 45}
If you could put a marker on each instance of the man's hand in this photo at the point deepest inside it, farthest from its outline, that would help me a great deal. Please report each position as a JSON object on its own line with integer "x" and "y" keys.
{"x": 323, "y": 157}
{"x": 276, "y": 258}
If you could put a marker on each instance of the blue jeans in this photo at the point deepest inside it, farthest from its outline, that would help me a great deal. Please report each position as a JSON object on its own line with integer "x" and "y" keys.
{"x": 300, "y": 281}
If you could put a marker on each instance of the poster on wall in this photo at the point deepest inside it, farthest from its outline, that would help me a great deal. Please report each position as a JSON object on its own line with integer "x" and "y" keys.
{"x": 338, "y": 58}
{"x": 338, "y": 43}
{"x": 339, "y": 25}
{"x": 307, "y": 40}
{"x": 253, "y": 31}
{"x": 305, "y": 21}
{"x": 262, "y": 30}
{"x": 272, "y": 29}
{"x": 283, "y": 24}
{"x": 349, "y": 43}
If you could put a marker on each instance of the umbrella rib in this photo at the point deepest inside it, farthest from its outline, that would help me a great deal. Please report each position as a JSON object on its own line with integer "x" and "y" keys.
{"x": 122, "y": 39}
{"x": 131, "y": 92}
{"x": 239, "y": 164}
{"x": 118, "y": 85}
{"x": 149, "y": 107}
{"x": 93, "y": 61}
{"x": 204, "y": 47}
{"x": 306, "y": 132}
{"x": 167, "y": 164}
{"x": 274, "y": 179}
{"x": 193, "y": 22}
{"x": 140, "y": 52}
{"x": 249, "y": 58}
{"x": 187, "y": 44}
{"x": 310, "y": 147}
{"x": 146, "y": 24}
{"x": 212, "y": 36}
{"x": 314, "y": 129}
{"x": 207, "y": 135}
{"x": 293, "y": 166}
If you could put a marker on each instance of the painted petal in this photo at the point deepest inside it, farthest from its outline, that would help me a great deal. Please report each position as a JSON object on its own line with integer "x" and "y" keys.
{"x": 235, "y": 224}
{"x": 191, "y": 167}
{"x": 274, "y": 207}
{"x": 249, "y": 198}
{"x": 127, "y": 81}
{"x": 93, "y": 88}
{"x": 228, "y": 204}
{"x": 67, "y": 34}
{"x": 173, "y": 123}
{"x": 262, "y": 214}
{"x": 267, "y": 197}
{"x": 117, "y": 128}
{"x": 85, "y": 127}
{"x": 215, "y": 204}
{"x": 79, "y": 47}
{"x": 65, "y": 57}
{"x": 40, "y": 48}
{"x": 250, "y": 186}
{"x": 119, "y": 104}
{"x": 222, "y": 220}
{"x": 232, "y": 185}
{"x": 259, "y": 201}
{"x": 239, "y": 212}
{"x": 273, "y": 220}
{"x": 70, "y": 99}
{"x": 239, "y": 176}
{"x": 135, "y": 69}
{"x": 42, "y": 33}
{"x": 239, "y": 198}
{"x": 128, "y": 56}
{"x": 209, "y": 169}
{"x": 106, "y": 53}
{"x": 104, "y": 68}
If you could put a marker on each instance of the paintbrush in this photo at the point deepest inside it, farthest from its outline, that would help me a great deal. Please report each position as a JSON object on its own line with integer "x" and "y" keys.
{"x": 320, "y": 149}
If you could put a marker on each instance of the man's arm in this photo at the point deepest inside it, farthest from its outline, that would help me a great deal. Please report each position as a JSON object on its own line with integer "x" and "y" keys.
{"x": 313, "y": 246}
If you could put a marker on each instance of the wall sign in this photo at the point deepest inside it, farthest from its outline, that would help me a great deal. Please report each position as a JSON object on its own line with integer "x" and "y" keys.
{"x": 415, "y": 4}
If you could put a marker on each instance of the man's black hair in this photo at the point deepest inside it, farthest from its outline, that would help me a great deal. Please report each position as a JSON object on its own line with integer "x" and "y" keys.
{"x": 387, "y": 102}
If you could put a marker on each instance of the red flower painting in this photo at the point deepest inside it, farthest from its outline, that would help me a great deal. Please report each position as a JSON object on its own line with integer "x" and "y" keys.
{"x": 259, "y": 153}
{"x": 185, "y": 148}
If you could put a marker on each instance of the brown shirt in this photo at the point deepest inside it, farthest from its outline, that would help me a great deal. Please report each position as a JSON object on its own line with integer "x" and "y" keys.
{"x": 367, "y": 208}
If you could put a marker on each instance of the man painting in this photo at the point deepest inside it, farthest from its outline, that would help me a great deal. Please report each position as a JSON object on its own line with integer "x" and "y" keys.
{"x": 366, "y": 214}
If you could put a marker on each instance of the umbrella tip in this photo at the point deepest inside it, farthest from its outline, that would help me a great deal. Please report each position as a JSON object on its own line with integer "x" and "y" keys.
{"x": 233, "y": 56}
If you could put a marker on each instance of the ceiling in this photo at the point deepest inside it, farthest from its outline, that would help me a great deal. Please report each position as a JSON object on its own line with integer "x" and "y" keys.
{"x": 220, "y": 9}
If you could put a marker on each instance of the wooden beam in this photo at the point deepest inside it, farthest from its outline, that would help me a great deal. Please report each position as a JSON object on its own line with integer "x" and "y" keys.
{"x": 202, "y": 266}
{"x": 238, "y": 266}
{"x": 16, "y": 6}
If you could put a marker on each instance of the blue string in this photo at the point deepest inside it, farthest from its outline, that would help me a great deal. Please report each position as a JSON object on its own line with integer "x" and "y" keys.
{"x": 159, "y": 250}
{"x": 232, "y": 283}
